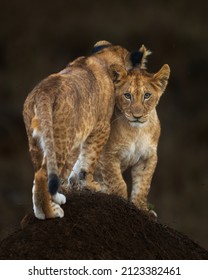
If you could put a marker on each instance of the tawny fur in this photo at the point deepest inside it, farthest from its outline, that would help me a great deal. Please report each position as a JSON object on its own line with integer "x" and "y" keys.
{"x": 134, "y": 135}
{"x": 66, "y": 111}
{"x": 145, "y": 53}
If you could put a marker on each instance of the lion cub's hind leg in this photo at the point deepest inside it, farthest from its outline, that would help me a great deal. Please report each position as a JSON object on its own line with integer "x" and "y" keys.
{"x": 43, "y": 205}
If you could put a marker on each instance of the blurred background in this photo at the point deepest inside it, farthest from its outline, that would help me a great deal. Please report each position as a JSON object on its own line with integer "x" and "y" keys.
{"x": 38, "y": 38}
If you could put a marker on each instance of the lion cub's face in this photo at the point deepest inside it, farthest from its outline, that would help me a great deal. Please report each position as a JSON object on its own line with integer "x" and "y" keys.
{"x": 140, "y": 93}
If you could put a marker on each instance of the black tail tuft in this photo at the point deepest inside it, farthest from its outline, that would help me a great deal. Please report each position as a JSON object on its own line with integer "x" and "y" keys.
{"x": 53, "y": 183}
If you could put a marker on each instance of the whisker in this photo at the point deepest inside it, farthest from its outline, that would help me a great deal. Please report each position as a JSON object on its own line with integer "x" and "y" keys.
{"x": 118, "y": 118}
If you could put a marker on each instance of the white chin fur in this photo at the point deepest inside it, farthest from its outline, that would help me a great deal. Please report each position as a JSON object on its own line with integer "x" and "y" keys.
{"x": 137, "y": 124}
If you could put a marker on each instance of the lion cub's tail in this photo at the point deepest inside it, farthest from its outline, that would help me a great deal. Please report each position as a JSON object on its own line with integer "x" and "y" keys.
{"x": 42, "y": 125}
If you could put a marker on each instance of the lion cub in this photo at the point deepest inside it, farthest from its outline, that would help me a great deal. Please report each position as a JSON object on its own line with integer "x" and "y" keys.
{"x": 68, "y": 111}
{"x": 134, "y": 135}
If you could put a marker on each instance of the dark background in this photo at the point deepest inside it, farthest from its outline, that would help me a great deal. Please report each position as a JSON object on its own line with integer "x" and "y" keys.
{"x": 38, "y": 38}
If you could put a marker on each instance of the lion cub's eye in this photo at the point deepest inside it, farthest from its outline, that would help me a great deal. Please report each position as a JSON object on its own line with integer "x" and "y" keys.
{"x": 147, "y": 95}
{"x": 127, "y": 95}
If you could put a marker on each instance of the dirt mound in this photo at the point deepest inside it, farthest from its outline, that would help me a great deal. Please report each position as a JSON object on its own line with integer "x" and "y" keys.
{"x": 98, "y": 226}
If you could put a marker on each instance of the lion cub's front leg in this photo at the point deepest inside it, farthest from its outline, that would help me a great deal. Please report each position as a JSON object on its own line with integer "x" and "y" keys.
{"x": 83, "y": 171}
{"x": 113, "y": 181}
{"x": 142, "y": 173}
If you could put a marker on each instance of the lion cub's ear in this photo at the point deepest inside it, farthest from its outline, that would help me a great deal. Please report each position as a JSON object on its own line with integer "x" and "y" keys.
{"x": 118, "y": 73}
{"x": 162, "y": 76}
{"x": 100, "y": 45}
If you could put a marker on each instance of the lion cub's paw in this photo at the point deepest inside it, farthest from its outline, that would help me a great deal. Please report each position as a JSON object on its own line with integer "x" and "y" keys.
{"x": 73, "y": 180}
{"x": 153, "y": 215}
{"x": 59, "y": 198}
{"x": 86, "y": 180}
{"x": 92, "y": 185}
{"x": 56, "y": 211}
{"x": 38, "y": 212}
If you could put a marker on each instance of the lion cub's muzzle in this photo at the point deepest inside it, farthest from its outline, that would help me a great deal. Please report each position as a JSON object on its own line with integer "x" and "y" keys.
{"x": 137, "y": 120}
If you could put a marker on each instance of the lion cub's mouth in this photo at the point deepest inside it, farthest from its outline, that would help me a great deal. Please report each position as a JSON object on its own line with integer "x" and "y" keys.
{"x": 136, "y": 121}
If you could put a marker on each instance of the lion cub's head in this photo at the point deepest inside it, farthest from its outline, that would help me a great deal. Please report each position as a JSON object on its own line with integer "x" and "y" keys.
{"x": 138, "y": 92}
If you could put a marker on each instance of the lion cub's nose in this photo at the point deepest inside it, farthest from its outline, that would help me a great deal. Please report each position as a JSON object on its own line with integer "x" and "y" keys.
{"x": 137, "y": 117}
